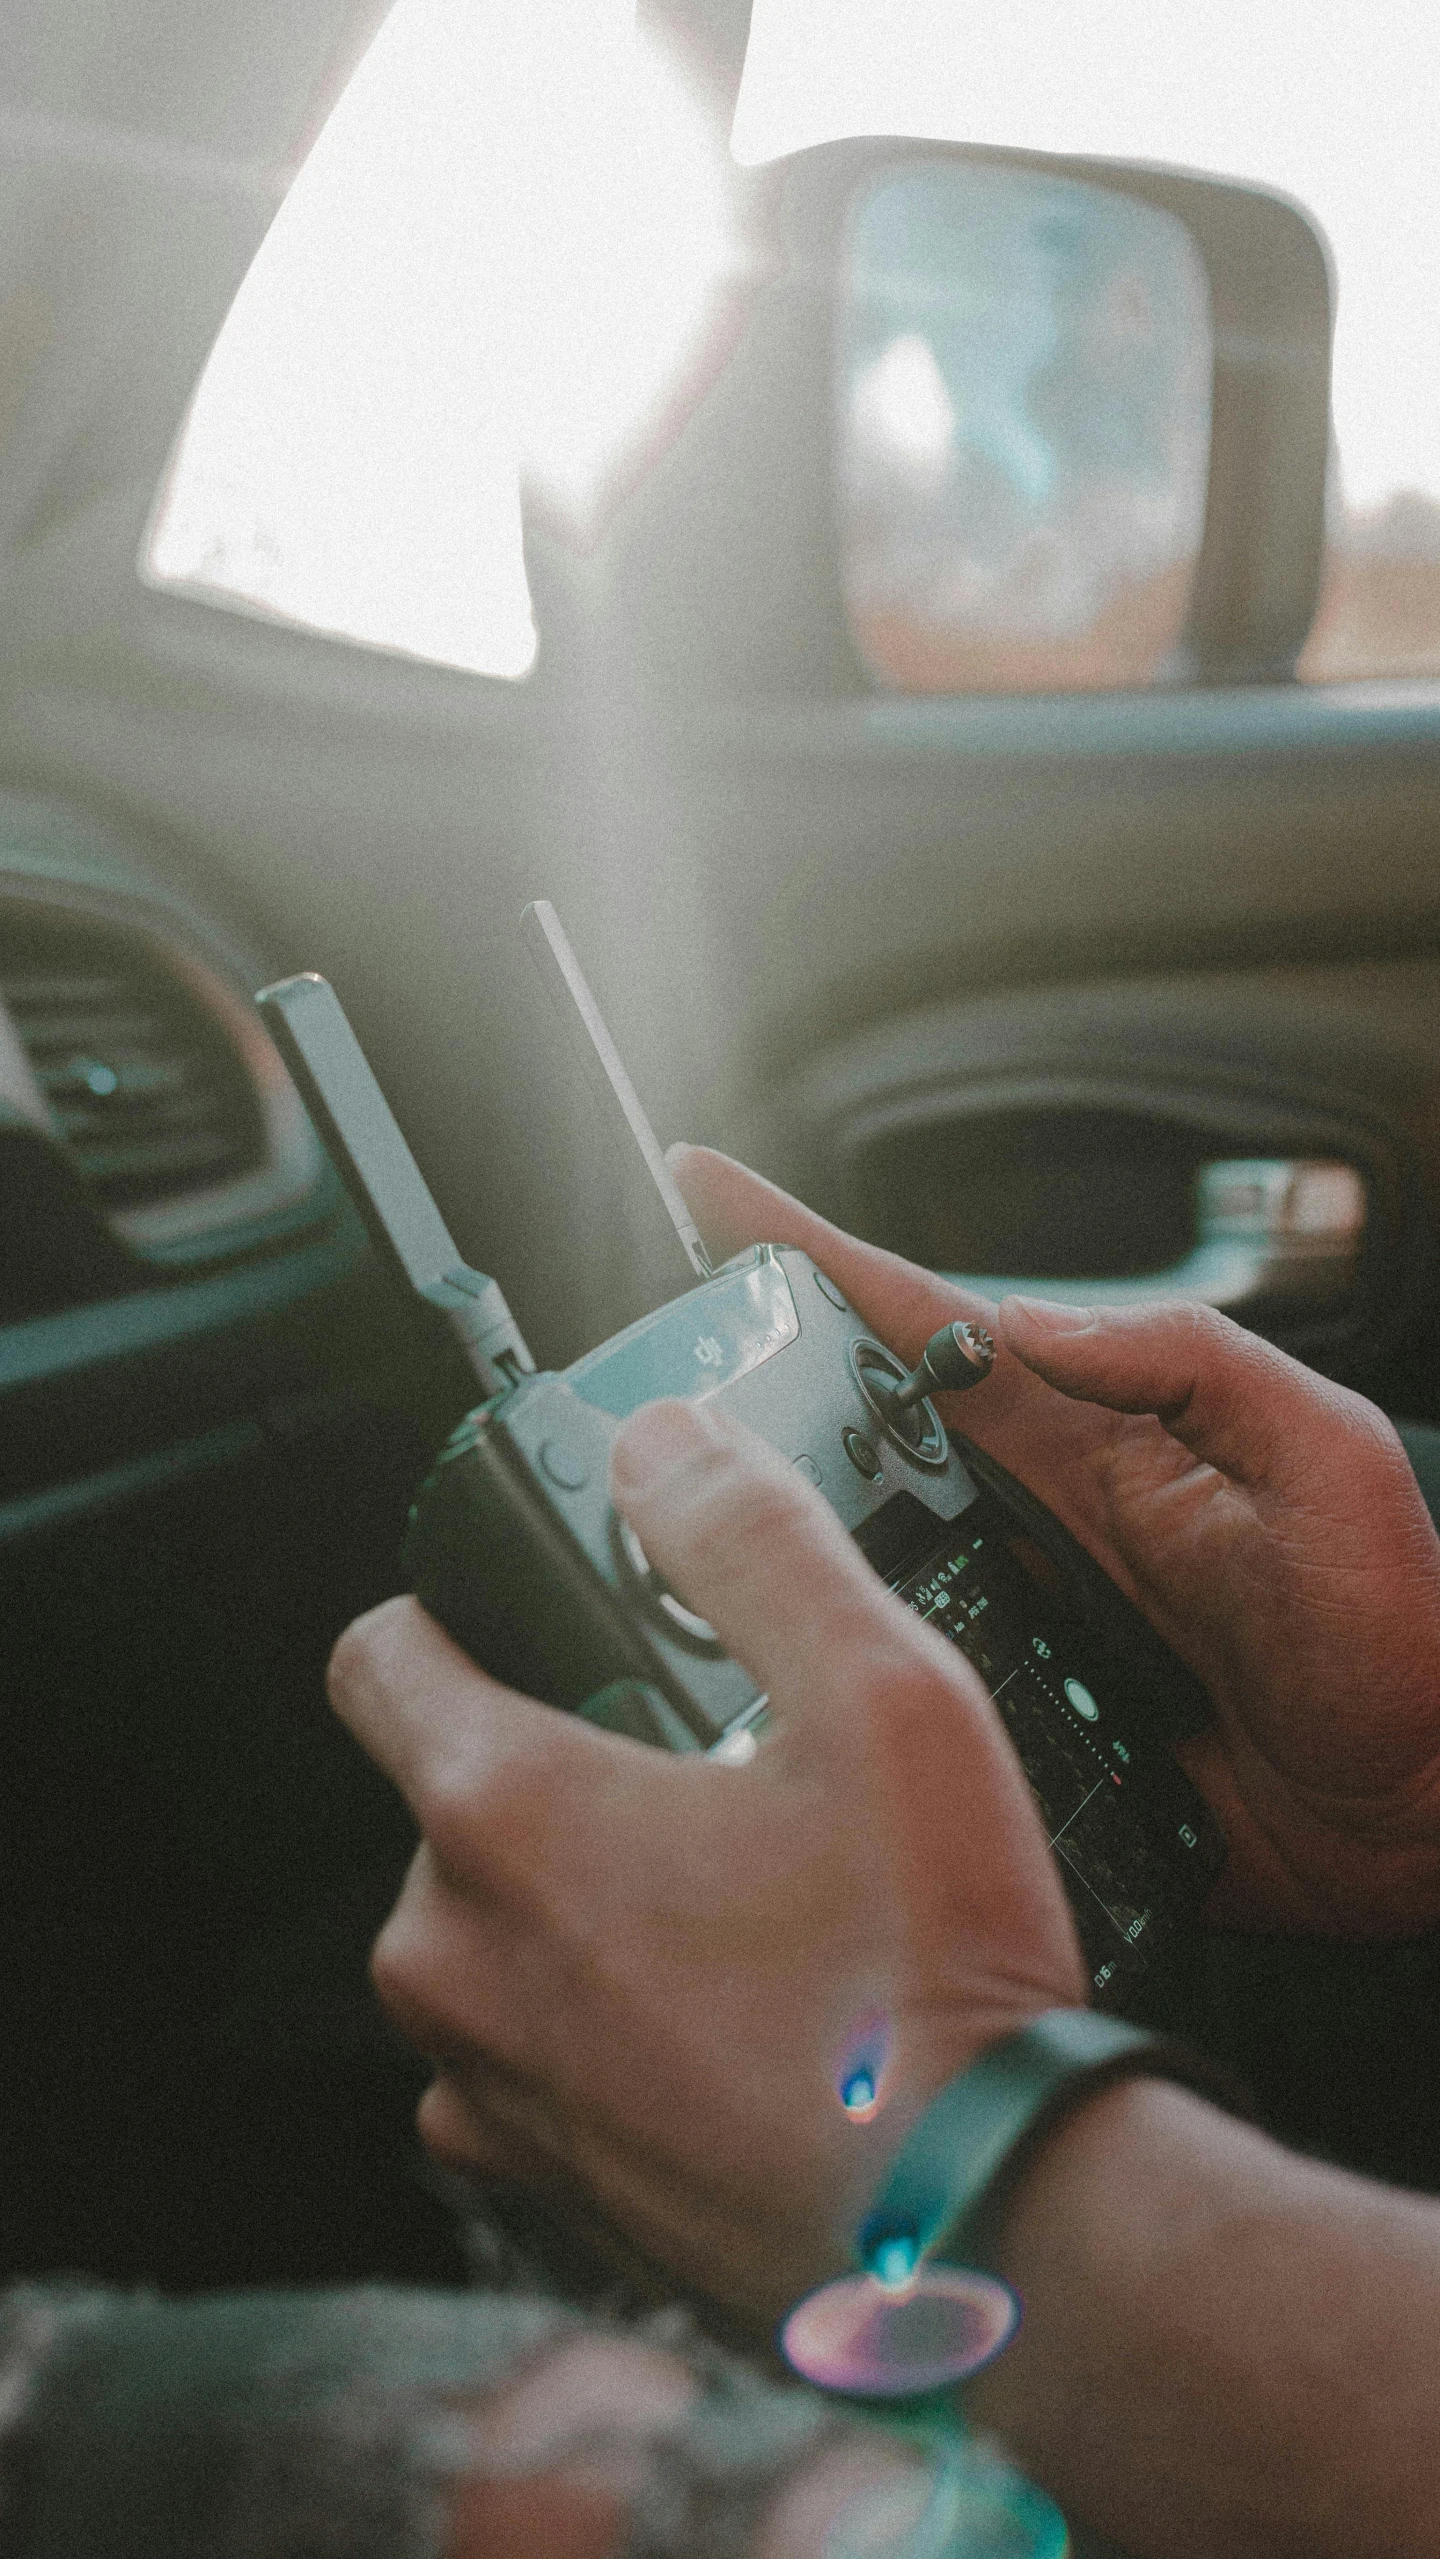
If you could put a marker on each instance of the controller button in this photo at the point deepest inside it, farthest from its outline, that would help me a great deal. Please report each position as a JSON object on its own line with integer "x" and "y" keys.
{"x": 564, "y": 1465}
{"x": 807, "y": 1467}
{"x": 698, "y": 1629}
{"x": 862, "y": 1456}
{"x": 828, "y": 1289}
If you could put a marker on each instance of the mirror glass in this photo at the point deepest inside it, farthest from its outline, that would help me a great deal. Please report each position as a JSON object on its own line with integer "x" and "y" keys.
{"x": 1023, "y": 391}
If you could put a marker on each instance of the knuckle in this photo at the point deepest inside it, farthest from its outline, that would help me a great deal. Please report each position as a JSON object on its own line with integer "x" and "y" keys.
{"x": 392, "y": 1961}
{"x": 423, "y": 1964}
{"x": 451, "y": 1803}
{"x": 1382, "y": 1442}
{"x": 348, "y": 1664}
{"x": 490, "y": 1827}
{"x": 1210, "y": 1329}
{"x": 359, "y": 1656}
{"x": 1201, "y": 1335}
{"x": 1372, "y": 1436}
{"x": 401, "y": 1971}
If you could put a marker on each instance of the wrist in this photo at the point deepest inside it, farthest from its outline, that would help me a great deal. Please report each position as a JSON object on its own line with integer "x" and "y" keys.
{"x": 928, "y": 2308}
{"x": 1120, "y": 2236}
{"x": 1226, "y": 2347}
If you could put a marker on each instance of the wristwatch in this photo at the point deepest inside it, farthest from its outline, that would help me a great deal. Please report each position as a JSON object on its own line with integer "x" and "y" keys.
{"x": 927, "y": 2309}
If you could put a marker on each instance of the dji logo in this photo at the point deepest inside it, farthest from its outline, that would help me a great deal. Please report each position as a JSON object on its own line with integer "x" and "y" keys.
{"x": 708, "y": 1351}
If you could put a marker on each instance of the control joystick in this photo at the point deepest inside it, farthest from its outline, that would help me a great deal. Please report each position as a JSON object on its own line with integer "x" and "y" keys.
{"x": 959, "y": 1355}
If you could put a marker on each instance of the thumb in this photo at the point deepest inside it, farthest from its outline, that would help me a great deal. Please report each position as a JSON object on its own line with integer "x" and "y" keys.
{"x": 1236, "y": 1402}
{"x": 746, "y": 1541}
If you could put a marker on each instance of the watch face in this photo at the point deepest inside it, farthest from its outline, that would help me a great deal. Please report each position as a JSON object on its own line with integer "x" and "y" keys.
{"x": 879, "y": 2340}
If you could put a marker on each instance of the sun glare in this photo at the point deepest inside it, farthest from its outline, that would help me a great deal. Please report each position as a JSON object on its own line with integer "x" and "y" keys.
{"x": 499, "y": 256}
{"x": 903, "y": 407}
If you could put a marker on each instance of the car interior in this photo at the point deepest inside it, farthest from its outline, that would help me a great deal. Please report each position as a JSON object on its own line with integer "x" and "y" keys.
{"x": 1096, "y": 954}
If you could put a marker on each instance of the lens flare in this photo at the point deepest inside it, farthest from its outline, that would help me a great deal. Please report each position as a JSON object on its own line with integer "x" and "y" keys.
{"x": 969, "y": 2499}
{"x": 877, "y": 2342}
{"x": 894, "y": 2263}
{"x": 859, "y": 2080}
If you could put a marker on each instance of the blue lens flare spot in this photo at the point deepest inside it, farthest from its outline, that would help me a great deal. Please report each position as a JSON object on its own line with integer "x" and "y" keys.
{"x": 860, "y": 2077}
{"x": 894, "y": 2263}
{"x": 882, "y": 2341}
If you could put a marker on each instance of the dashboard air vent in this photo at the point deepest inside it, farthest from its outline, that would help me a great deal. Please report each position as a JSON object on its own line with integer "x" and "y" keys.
{"x": 146, "y": 1089}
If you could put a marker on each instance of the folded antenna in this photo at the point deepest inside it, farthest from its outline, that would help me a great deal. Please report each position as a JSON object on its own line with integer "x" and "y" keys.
{"x": 362, "y": 1138}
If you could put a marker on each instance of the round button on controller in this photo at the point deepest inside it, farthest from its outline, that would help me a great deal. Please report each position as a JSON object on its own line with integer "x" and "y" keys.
{"x": 564, "y": 1465}
{"x": 683, "y": 1621}
{"x": 862, "y": 1456}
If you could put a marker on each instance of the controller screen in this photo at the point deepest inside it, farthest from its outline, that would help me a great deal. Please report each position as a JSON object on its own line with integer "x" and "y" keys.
{"x": 1120, "y": 1816}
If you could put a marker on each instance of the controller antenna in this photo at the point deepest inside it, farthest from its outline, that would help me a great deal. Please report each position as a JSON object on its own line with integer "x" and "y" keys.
{"x": 623, "y": 1111}
{"x": 958, "y": 1356}
{"x": 363, "y": 1141}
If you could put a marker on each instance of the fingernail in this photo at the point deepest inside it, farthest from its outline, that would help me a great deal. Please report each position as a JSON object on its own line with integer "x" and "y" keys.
{"x": 656, "y": 1439}
{"x": 1047, "y": 1317}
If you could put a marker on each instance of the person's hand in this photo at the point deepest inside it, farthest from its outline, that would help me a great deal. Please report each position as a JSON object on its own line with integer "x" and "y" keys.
{"x": 1266, "y": 1521}
{"x": 640, "y": 1975}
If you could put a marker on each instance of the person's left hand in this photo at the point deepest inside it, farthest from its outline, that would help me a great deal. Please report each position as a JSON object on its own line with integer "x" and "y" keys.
{"x": 641, "y": 1975}
{"x": 1265, "y": 1519}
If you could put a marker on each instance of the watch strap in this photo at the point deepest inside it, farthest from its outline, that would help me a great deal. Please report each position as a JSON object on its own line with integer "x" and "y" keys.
{"x": 974, "y": 2140}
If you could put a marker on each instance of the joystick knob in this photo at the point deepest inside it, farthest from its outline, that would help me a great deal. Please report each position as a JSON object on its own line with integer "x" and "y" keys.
{"x": 959, "y": 1355}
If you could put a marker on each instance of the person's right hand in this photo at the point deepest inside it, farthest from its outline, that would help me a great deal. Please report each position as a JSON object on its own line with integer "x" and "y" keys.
{"x": 643, "y": 1973}
{"x": 1266, "y": 1521}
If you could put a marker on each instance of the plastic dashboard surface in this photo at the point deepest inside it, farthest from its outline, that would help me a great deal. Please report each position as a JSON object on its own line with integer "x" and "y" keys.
{"x": 145, "y": 1340}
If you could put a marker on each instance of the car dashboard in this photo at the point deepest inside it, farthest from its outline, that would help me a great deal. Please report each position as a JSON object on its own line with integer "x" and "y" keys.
{"x": 212, "y": 1416}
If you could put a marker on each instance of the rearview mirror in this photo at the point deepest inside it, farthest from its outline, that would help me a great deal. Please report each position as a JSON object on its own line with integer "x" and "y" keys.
{"x": 1022, "y": 382}
{"x": 998, "y": 420}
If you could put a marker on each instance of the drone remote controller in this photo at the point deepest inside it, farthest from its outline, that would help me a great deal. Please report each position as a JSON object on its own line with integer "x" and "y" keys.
{"x": 515, "y": 1547}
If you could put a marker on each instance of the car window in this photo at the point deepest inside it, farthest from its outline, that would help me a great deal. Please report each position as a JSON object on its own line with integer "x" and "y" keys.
{"x": 1329, "y": 101}
{"x": 501, "y": 252}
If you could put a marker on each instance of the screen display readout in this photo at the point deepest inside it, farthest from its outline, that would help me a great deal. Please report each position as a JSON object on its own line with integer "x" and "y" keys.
{"x": 1079, "y": 1763}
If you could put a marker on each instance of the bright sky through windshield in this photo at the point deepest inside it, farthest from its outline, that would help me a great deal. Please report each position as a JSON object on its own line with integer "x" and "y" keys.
{"x": 1333, "y": 101}
{"x": 496, "y": 259}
